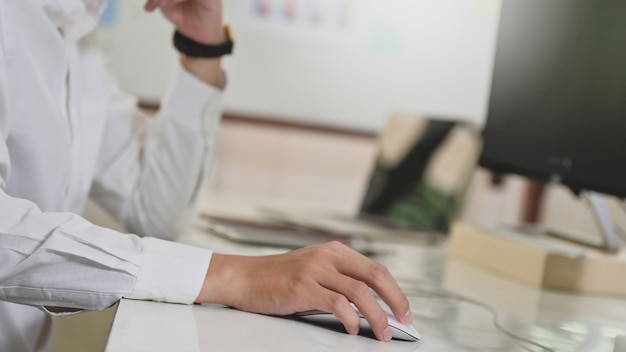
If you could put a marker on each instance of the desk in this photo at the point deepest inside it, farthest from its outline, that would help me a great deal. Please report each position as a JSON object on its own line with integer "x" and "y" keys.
{"x": 565, "y": 322}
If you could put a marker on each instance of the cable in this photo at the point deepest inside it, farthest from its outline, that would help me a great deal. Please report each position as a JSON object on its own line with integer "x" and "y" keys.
{"x": 492, "y": 310}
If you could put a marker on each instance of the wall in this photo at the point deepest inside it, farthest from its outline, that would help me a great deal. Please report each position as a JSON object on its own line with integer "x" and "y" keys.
{"x": 419, "y": 56}
{"x": 269, "y": 164}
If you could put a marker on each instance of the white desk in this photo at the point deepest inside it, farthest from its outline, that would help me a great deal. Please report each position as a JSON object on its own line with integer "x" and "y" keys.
{"x": 565, "y": 322}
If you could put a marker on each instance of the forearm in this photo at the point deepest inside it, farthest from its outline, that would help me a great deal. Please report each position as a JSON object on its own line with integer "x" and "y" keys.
{"x": 62, "y": 260}
{"x": 148, "y": 176}
{"x": 207, "y": 70}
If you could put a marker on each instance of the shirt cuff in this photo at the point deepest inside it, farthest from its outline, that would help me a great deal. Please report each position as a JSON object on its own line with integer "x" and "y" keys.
{"x": 189, "y": 97}
{"x": 170, "y": 272}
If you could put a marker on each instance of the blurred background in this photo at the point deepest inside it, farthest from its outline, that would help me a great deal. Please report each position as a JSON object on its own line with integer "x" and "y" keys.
{"x": 343, "y": 63}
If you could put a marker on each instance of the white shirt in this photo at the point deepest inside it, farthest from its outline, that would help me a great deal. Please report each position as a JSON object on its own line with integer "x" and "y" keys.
{"x": 67, "y": 133}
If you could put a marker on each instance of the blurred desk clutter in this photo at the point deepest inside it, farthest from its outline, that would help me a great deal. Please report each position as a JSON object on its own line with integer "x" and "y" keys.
{"x": 540, "y": 260}
{"x": 415, "y": 188}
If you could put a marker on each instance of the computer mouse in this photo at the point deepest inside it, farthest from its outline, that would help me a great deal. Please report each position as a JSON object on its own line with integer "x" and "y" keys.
{"x": 399, "y": 331}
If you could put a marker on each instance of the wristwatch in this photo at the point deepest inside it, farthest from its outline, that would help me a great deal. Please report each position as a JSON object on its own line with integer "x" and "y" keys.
{"x": 192, "y": 48}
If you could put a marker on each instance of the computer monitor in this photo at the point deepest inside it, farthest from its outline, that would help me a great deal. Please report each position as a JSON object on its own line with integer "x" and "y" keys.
{"x": 557, "y": 111}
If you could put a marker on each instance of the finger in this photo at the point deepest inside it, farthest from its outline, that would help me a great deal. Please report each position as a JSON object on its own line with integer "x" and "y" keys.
{"x": 339, "y": 305}
{"x": 359, "y": 293}
{"x": 389, "y": 291}
{"x": 151, "y": 5}
{"x": 171, "y": 2}
{"x": 377, "y": 276}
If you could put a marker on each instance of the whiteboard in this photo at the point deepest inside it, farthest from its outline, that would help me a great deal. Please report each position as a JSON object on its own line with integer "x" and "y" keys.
{"x": 340, "y": 63}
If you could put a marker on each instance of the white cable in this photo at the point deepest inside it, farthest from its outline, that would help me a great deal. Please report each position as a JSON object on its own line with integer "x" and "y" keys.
{"x": 493, "y": 311}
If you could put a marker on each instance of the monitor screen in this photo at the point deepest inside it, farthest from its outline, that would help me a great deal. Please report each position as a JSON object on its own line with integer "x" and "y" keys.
{"x": 557, "y": 110}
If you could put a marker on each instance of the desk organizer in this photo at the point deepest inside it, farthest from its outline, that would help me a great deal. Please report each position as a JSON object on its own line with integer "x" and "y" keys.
{"x": 539, "y": 260}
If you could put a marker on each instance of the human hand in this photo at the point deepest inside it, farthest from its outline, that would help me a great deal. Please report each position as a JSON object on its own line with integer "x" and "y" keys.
{"x": 200, "y": 20}
{"x": 326, "y": 277}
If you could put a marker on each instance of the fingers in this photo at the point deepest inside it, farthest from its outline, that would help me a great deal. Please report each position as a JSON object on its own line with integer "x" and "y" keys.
{"x": 339, "y": 305}
{"x": 381, "y": 281}
{"x": 152, "y": 5}
{"x": 375, "y": 275}
{"x": 358, "y": 293}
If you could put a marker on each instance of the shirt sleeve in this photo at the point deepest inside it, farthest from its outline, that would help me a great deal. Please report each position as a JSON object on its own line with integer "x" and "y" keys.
{"x": 150, "y": 169}
{"x": 62, "y": 260}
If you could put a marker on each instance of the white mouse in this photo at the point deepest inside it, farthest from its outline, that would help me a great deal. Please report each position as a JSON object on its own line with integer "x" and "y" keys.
{"x": 399, "y": 331}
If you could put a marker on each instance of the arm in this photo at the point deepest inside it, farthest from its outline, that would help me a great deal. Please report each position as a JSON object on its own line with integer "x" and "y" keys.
{"x": 59, "y": 260}
{"x": 150, "y": 169}
{"x": 326, "y": 277}
{"x": 150, "y": 176}
{"x": 56, "y": 259}
{"x": 63, "y": 263}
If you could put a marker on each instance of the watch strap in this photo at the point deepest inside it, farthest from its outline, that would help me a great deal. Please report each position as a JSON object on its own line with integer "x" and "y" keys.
{"x": 192, "y": 48}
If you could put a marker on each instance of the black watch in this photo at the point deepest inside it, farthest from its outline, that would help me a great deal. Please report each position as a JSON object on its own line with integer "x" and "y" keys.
{"x": 192, "y": 48}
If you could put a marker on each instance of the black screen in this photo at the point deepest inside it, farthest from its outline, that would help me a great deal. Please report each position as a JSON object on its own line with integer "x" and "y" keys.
{"x": 557, "y": 110}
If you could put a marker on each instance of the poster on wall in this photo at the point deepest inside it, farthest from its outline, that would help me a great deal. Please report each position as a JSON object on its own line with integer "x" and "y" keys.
{"x": 301, "y": 16}
{"x": 358, "y": 24}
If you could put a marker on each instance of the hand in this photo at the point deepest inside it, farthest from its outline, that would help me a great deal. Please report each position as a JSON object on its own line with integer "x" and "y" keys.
{"x": 200, "y": 20}
{"x": 326, "y": 277}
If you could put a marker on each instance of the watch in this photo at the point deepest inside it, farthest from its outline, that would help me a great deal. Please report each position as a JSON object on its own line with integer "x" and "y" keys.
{"x": 192, "y": 48}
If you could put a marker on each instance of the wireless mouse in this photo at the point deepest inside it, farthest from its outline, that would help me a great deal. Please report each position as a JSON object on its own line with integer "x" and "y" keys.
{"x": 399, "y": 331}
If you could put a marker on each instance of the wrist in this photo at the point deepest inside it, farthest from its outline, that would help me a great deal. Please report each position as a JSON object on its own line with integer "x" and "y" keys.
{"x": 220, "y": 284}
{"x": 214, "y": 37}
{"x": 212, "y": 46}
{"x": 202, "y": 59}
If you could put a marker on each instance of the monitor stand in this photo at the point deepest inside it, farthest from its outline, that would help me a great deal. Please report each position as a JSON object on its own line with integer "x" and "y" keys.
{"x": 608, "y": 229}
{"x": 609, "y": 239}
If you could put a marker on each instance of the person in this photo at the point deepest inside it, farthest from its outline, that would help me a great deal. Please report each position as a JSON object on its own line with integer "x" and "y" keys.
{"x": 69, "y": 133}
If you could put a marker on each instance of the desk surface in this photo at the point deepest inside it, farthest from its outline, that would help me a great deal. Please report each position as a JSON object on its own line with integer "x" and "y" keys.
{"x": 564, "y": 322}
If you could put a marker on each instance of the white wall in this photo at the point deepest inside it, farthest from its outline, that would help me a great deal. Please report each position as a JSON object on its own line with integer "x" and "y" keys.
{"x": 387, "y": 56}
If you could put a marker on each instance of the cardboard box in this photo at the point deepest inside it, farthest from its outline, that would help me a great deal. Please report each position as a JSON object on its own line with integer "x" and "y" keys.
{"x": 539, "y": 260}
